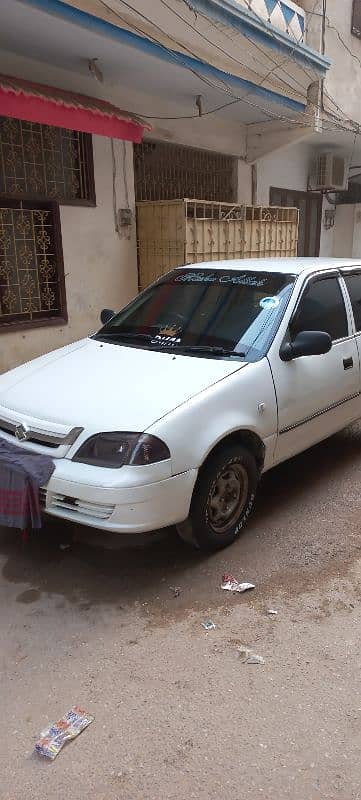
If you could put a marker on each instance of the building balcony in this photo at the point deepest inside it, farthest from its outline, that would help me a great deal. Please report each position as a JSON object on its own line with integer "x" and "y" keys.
{"x": 284, "y": 15}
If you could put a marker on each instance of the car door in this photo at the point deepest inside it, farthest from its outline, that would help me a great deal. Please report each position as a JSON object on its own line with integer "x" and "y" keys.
{"x": 317, "y": 395}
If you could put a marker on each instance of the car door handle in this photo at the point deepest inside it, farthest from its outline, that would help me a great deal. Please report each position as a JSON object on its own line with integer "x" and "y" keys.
{"x": 348, "y": 363}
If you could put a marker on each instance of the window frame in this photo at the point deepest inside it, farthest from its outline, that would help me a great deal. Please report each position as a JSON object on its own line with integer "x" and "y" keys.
{"x": 315, "y": 278}
{"x": 86, "y": 144}
{"x": 349, "y": 272}
{"x": 356, "y": 17}
{"x": 61, "y": 318}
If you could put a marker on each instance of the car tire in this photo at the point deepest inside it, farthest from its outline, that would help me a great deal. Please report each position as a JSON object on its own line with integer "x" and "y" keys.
{"x": 223, "y": 499}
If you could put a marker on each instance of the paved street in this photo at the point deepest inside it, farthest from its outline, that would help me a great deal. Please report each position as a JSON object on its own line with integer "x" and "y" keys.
{"x": 177, "y": 713}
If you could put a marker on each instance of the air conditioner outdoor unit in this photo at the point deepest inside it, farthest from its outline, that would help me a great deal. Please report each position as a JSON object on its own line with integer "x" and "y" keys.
{"x": 330, "y": 173}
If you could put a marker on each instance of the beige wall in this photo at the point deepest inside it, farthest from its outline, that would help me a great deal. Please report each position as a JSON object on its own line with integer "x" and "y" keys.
{"x": 286, "y": 169}
{"x": 343, "y": 81}
{"x": 344, "y": 231}
{"x": 347, "y": 231}
{"x": 100, "y": 268}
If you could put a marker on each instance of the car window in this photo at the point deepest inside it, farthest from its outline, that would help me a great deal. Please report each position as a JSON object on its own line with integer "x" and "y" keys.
{"x": 353, "y": 283}
{"x": 234, "y": 309}
{"x": 322, "y": 308}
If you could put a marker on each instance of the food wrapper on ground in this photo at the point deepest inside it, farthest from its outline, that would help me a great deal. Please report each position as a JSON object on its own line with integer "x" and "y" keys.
{"x": 232, "y": 585}
{"x": 208, "y": 625}
{"x": 54, "y": 737}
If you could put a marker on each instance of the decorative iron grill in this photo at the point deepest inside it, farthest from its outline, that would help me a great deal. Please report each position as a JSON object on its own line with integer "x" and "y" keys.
{"x": 42, "y": 161}
{"x": 170, "y": 172}
{"x": 31, "y": 267}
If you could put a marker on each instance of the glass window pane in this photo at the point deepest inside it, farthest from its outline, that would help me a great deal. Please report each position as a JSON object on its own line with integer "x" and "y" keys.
{"x": 210, "y": 308}
{"x": 322, "y": 309}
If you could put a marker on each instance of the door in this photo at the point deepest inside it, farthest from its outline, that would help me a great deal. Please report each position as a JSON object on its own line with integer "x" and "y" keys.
{"x": 317, "y": 395}
{"x": 310, "y": 208}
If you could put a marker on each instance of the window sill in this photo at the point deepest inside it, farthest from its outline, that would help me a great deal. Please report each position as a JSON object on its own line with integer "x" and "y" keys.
{"x": 29, "y": 325}
{"x": 87, "y": 203}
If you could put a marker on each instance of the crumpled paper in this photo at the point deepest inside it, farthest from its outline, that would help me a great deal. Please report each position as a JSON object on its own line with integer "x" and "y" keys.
{"x": 230, "y": 584}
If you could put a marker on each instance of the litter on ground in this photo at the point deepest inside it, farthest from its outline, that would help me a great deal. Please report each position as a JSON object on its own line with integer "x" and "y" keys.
{"x": 53, "y": 738}
{"x": 248, "y": 657}
{"x": 208, "y": 625}
{"x": 230, "y": 584}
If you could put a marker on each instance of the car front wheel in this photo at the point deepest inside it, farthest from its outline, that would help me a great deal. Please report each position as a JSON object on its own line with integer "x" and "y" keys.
{"x": 223, "y": 499}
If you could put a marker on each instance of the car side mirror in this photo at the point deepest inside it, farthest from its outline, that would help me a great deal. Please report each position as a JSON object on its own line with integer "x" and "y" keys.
{"x": 306, "y": 343}
{"x": 106, "y": 315}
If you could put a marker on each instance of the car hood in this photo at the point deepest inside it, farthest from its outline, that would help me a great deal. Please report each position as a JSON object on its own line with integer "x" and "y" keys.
{"x": 101, "y": 386}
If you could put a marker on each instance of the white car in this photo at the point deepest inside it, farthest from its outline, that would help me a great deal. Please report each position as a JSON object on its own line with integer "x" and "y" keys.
{"x": 172, "y": 411}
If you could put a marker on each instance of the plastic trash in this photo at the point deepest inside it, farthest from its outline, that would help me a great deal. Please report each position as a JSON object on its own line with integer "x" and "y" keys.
{"x": 272, "y": 612}
{"x": 230, "y": 584}
{"x": 208, "y": 625}
{"x": 255, "y": 659}
{"x": 248, "y": 657}
{"x": 53, "y": 738}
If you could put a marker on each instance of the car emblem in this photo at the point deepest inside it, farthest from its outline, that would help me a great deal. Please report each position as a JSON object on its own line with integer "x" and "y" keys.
{"x": 21, "y": 433}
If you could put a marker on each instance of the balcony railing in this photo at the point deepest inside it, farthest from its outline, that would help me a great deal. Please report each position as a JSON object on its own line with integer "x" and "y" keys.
{"x": 282, "y": 14}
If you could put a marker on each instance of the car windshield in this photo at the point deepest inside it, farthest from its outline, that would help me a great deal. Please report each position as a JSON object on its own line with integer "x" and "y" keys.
{"x": 204, "y": 311}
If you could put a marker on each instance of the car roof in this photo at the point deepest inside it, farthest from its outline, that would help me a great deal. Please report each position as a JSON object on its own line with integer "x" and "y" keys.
{"x": 288, "y": 266}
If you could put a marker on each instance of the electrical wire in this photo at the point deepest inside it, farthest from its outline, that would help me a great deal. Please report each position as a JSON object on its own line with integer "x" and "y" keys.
{"x": 125, "y": 181}
{"x": 195, "y": 116}
{"x": 270, "y": 32}
{"x": 178, "y": 60}
{"x": 221, "y": 49}
{"x": 334, "y": 125}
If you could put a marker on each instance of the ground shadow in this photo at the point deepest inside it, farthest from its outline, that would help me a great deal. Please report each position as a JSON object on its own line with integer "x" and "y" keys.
{"x": 90, "y": 572}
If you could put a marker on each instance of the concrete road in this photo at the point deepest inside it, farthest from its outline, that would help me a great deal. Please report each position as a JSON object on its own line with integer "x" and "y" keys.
{"x": 177, "y": 713}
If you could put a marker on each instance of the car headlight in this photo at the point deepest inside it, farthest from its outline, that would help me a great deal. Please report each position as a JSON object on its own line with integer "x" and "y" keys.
{"x": 119, "y": 449}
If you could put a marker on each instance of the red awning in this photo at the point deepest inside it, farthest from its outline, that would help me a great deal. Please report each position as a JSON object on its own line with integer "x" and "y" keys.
{"x": 36, "y": 102}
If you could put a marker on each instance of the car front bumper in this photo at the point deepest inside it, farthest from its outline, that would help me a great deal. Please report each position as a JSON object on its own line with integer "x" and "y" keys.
{"x": 135, "y": 509}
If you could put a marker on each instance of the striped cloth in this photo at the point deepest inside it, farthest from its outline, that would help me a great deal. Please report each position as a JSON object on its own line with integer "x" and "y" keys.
{"x": 22, "y": 473}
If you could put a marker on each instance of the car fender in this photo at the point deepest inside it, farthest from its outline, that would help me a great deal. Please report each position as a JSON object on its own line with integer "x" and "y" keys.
{"x": 243, "y": 401}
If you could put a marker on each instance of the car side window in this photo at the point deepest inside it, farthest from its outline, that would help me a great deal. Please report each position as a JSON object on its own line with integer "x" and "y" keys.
{"x": 322, "y": 308}
{"x": 353, "y": 283}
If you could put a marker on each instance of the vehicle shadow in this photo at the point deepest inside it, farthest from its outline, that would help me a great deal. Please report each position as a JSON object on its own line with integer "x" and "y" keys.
{"x": 87, "y": 568}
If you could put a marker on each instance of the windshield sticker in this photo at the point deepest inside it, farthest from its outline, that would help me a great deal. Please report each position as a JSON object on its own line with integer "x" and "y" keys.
{"x": 196, "y": 277}
{"x": 165, "y": 341}
{"x": 172, "y": 329}
{"x": 243, "y": 280}
{"x": 169, "y": 335}
{"x": 235, "y": 280}
{"x": 269, "y": 302}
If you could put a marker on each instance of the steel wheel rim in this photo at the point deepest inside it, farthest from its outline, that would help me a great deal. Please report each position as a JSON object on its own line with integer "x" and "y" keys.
{"x": 227, "y": 497}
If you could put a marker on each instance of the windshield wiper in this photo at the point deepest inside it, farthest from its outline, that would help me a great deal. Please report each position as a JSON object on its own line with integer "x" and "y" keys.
{"x": 207, "y": 349}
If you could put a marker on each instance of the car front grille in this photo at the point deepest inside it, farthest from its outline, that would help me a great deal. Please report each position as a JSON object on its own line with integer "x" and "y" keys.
{"x": 42, "y": 498}
{"x": 72, "y": 506}
{"x": 44, "y": 438}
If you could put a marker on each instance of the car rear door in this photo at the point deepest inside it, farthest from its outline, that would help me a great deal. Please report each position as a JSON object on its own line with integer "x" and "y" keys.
{"x": 317, "y": 395}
